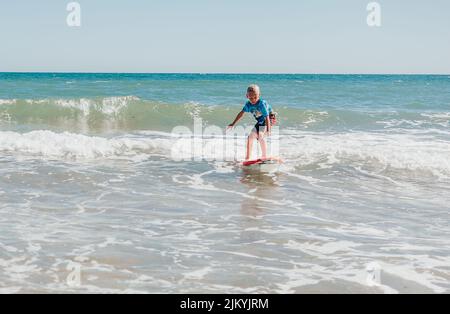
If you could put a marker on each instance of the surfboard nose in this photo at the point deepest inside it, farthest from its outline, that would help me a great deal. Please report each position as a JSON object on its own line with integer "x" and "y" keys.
{"x": 271, "y": 164}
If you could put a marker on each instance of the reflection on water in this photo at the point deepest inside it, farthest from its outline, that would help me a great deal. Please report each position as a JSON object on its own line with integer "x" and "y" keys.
{"x": 262, "y": 187}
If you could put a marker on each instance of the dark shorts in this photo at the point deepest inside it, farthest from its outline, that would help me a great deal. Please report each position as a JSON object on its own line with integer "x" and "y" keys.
{"x": 259, "y": 127}
{"x": 273, "y": 121}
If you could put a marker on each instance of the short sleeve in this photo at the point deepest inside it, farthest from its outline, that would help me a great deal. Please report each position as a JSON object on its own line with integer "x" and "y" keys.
{"x": 265, "y": 109}
{"x": 246, "y": 107}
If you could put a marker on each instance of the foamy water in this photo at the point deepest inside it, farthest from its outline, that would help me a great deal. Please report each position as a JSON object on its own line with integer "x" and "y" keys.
{"x": 92, "y": 200}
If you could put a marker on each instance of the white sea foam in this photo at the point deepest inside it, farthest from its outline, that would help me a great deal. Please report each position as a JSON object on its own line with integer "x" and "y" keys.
{"x": 108, "y": 106}
{"x": 113, "y": 105}
{"x": 422, "y": 121}
{"x": 379, "y": 150}
{"x": 198, "y": 274}
{"x": 5, "y": 117}
{"x": 375, "y": 151}
{"x": 67, "y": 145}
{"x": 314, "y": 117}
{"x": 7, "y": 101}
{"x": 193, "y": 109}
{"x": 36, "y": 102}
{"x": 83, "y": 104}
{"x": 439, "y": 116}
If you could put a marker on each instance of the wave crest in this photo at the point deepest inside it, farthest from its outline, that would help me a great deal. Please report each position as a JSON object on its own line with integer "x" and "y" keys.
{"x": 133, "y": 113}
{"x": 376, "y": 153}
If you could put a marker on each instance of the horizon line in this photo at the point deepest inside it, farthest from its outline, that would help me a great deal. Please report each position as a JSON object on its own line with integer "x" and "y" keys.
{"x": 223, "y": 73}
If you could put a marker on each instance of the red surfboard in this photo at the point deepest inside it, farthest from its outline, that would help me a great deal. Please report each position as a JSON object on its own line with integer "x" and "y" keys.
{"x": 262, "y": 161}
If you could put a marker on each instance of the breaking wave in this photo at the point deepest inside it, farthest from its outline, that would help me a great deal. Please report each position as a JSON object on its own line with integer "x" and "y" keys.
{"x": 373, "y": 152}
{"x": 132, "y": 113}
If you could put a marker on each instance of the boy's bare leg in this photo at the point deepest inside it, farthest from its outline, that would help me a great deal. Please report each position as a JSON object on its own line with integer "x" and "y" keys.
{"x": 250, "y": 140}
{"x": 263, "y": 144}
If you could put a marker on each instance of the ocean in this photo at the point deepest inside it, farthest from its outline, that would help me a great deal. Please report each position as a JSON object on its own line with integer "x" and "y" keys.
{"x": 94, "y": 197}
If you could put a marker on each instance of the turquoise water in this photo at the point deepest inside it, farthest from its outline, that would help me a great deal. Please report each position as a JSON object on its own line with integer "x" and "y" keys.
{"x": 383, "y": 92}
{"x": 317, "y": 102}
{"x": 88, "y": 177}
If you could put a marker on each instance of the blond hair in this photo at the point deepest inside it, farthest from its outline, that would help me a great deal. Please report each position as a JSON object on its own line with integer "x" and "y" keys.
{"x": 253, "y": 89}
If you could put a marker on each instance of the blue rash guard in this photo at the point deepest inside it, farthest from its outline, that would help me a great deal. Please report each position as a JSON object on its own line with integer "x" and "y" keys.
{"x": 260, "y": 111}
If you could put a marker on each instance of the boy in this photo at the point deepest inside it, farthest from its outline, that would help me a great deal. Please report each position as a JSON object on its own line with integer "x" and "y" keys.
{"x": 262, "y": 112}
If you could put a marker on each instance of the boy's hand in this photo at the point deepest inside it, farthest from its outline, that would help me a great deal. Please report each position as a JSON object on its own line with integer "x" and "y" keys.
{"x": 231, "y": 126}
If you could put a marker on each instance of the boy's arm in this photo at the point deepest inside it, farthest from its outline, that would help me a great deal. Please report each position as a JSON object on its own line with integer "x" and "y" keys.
{"x": 238, "y": 118}
{"x": 268, "y": 125}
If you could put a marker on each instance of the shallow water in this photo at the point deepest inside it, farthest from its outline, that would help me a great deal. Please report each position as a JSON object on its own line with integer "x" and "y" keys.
{"x": 89, "y": 187}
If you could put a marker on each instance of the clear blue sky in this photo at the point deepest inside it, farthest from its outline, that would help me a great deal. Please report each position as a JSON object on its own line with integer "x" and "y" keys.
{"x": 286, "y": 36}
